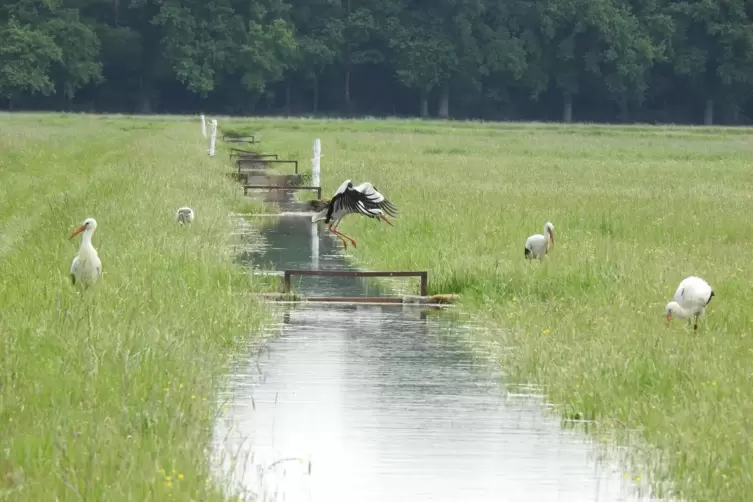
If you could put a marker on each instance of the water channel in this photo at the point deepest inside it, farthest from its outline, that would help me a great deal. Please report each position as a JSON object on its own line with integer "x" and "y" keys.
{"x": 359, "y": 402}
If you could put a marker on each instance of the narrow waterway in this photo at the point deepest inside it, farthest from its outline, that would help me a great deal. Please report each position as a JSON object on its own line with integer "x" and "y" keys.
{"x": 387, "y": 403}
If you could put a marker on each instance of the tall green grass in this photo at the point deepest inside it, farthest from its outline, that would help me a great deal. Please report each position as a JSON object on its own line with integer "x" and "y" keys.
{"x": 635, "y": 210}
{"x": 110, "y": 395}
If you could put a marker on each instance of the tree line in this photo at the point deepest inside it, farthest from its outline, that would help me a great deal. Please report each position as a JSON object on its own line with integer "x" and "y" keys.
{"x": 683, "y": 61}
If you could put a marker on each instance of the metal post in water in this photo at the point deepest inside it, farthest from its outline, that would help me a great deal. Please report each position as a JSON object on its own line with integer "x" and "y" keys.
{"x": 315, "y": 245}
{"x": 203, "y": 126}
{"x": 316, "y": 167}
{"x": 213, "y": 138}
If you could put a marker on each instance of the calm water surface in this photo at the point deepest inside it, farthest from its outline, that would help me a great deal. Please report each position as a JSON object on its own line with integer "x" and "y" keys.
{"x": 388, "y": 403}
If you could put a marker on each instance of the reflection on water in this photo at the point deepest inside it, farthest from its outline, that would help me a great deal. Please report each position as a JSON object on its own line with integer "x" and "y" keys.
{"x": 296, "y": 243}
{"x": 382, "y": 403}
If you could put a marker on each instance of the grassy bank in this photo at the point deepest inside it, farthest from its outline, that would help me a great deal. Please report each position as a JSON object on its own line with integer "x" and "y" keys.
{"x": 634, "y": 209}
{"x": 112, "y": 396}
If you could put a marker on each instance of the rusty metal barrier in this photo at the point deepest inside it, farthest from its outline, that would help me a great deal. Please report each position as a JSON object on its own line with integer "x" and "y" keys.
{"x": 423, "y": 275}
{"x": 246, "y": 188}
{"x": 239, "y": 139}
{"x": 266, "y": 161}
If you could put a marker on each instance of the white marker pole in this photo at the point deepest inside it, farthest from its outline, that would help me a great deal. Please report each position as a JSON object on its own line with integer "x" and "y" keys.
{"x": 203, "y": 126}
{"x": 315, "y": 245}
{"x": 315, "y": 165}
{"x": 316, "y": 181}
{"x": 213, "y": 138}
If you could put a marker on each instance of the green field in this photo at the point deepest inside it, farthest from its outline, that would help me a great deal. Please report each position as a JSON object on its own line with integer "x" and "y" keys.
{"x": 635, "y": 210}
{"x": 111, "y": 396}
{"x": 99, "y": 394}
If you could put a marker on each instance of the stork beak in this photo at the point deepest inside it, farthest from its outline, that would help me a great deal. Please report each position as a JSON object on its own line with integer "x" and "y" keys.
{"x": 551, "y": 234}
{"x": 669, "y": 318}
{"x": 77, "y": 231}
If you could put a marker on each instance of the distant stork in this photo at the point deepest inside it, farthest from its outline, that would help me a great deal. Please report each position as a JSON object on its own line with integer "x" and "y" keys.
{"x": 538, "y": 245}
{"x": 86, "y": 266}
{"x": 363, "y": 199}
{"x": 691, "y": 298}
{"x": 184, "y": 215}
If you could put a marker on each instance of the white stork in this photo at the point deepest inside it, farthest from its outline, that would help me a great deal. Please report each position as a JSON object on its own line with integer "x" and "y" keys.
{"x": 185, "y": 215}
{"x": 363, "y": 199}
{"x": 86, "y": 267}
{"x": 538, "y": 245}
{"x": 691, "y": 298}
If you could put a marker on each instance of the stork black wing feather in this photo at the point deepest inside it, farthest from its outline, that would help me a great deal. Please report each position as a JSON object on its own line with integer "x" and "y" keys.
{"x": 385, "y": 206}
{"x": 349, "y": 201}
{"x": 388, "y": 208}
{"x": 347, "y": 204}
{"x": 361, "y": 202}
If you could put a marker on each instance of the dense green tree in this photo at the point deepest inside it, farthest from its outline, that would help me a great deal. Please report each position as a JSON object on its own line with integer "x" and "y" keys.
{"x": 617, "y": 59}
{"x": 80, "y": 49}
{"x": 713, "y": 49}
{"x": 421, "y": 55}
{"x": 319, "y": 31}
{"x": 205, "y": 41}
{"x": 436, "y": 45}
{"x": 599, "y": 42}
{"x": 360, "y": 42}
{"x": 26, "y": 55}
{"x": 502, "y": 38}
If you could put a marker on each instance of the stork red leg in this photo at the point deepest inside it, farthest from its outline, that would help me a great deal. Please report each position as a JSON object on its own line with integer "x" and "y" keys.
{"x": 349, "y": 238}
{"x": 342, "y": 234}
{"x": 345, "y": 243}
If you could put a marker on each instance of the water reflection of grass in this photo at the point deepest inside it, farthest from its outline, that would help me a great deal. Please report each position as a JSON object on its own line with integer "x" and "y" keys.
{"x": 111, "y": 396}
{"x": 635, "y": 209}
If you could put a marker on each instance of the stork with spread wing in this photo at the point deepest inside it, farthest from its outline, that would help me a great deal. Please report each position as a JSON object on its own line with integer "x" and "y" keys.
{"x": 363, "y": 199}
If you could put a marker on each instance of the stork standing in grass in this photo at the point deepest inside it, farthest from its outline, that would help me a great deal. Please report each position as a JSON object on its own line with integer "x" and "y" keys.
{"x": 363, "y": 199}
{"x": 538, "y": 245}
{"x": 184, "y": 216}
{"x": 86, "y": 267}
{"x": 691, "y": 298}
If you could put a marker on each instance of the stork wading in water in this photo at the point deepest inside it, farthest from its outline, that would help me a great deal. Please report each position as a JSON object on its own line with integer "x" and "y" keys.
{"x": 86, "y": 267}
{"x": 691, "y": 298}
{"x": 538, "y": 245}
{"x": 363, "y": 199}
{"x": 184, "y": 216}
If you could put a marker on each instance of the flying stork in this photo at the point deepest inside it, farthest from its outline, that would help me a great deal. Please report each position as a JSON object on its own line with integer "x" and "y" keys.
{"x": 363, "y": 199}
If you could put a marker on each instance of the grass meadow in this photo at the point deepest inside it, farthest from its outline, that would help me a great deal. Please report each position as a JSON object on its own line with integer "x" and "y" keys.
{"x": 112, "y": 395}
{"x": 635, "y": 210}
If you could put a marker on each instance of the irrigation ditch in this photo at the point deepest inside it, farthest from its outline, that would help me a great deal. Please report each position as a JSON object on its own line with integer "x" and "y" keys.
{"x": 361, "y": 394}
